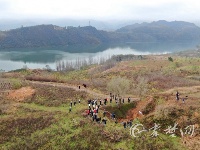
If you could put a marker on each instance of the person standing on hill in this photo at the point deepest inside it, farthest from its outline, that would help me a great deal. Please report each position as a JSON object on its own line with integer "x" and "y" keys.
{"x": 84, "y": 85}
{"x": 177, "y": 96}
{"x": 129, "y": 99}
{"x": 70, "y": 109}
{"x": 96, "y": 101}
{"x": 104, "y": 113}
{"x": 104, "y": 121}
{"x": 113, "y": 115}
{"x": 92, "y": 112}
{"x": 97, "y": 110}
{"x": 130, "y": 123}
{"x": 89, "y": 106}
{"x": 71, "y": 103}
{"x": 88, "y": 112}
{"x": 105, "y": 100}
{"x": 124, "y": 124}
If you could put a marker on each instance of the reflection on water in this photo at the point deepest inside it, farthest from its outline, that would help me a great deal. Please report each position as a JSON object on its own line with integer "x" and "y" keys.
{"x": 39, "y": 58}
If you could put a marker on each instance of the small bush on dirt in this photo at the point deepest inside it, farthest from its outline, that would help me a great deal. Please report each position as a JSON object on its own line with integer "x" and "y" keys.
{"x": 170, "y": 59}
{"x": 16, "y": 83}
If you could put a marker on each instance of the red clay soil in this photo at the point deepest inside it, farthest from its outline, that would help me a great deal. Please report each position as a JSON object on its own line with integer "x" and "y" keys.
{"x": 134, "y": 113}
{"x": 21, "y": 94}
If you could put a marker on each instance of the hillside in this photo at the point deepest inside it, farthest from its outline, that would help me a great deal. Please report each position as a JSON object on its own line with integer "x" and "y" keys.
{"x": 51, "y": 35}
{"x": 164, "y": 31}
{"x": 35, "y": 110}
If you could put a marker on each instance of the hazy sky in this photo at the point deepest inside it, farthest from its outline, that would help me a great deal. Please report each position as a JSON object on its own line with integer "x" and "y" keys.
{"x": 188, "y": 10}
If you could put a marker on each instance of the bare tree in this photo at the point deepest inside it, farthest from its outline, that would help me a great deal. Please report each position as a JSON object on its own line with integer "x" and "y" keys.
{"x": 119, "y": 86}
{"x": 142, "y": 86}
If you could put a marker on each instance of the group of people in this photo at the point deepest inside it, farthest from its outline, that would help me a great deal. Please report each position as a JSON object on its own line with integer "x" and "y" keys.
{"x": 118, "y": 100}
{"x": 84, "y": 85}
{"x": 127, "y": 124}
{"x": 93, "y": 110}
{"x": 71, "y": 104}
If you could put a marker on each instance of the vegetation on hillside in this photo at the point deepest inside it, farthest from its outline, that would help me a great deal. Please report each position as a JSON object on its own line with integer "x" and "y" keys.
{"x": 41, "y": 119}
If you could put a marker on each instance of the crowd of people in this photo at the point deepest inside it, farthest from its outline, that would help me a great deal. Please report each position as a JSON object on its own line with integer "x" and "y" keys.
{"x": 96, "y": 109}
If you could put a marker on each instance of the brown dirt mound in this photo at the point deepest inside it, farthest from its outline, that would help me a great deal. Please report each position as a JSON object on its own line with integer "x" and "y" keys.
{"x": 21, "y": 94}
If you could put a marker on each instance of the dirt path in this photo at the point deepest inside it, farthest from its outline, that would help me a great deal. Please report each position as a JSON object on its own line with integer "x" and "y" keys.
{"x": 184, "y": 90}
{"x": 95, "y": 94}
{"x": 15, "y": 97}
{"x": 192, "y": 92}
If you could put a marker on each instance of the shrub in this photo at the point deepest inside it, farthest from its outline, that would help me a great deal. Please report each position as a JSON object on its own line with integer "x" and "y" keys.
{"x": 142, "y": 86}
{"x": 170, "y": 59}
{"x": 16, "y": 83}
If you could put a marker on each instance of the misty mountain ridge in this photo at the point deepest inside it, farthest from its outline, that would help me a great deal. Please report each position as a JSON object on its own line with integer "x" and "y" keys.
{"x": 109, "y": 25}
{"x": 163, "y": 30}
{"x": 164, "y": 23}
{"x": 52, "y": 35}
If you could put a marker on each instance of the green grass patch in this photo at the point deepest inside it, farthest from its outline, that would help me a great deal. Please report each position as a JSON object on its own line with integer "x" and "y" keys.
{"x": 16, "y": 83}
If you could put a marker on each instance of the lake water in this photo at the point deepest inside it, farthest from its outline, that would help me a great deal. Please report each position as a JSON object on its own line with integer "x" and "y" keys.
{"x": 38, "y": 58}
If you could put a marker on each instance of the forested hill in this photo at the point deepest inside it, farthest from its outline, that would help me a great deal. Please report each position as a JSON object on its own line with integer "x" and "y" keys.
{"x": 165, "y": 31}
{"x": 51, "y": 35}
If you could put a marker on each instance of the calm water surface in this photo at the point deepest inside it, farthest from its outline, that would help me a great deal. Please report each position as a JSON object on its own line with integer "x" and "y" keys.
{"x": 38, "y": 58}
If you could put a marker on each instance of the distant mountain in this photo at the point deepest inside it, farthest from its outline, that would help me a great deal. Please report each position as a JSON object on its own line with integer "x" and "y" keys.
{"x": 51, "y": 35}
{"x": 164, "y": 31}
{"x": 109, "y": 25}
